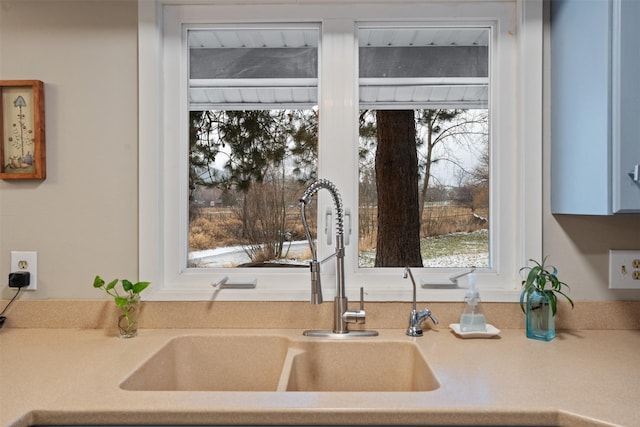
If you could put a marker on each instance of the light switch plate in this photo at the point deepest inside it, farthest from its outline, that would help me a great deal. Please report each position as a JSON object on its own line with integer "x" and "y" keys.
{"x": 26, "y": 261}
{"x": 624, "y": 269}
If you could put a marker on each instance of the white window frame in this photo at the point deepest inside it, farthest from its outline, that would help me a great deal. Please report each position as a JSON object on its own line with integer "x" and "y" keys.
{"x": 516, "y": 211}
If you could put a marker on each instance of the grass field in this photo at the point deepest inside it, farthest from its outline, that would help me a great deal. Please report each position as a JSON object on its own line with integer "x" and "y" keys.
{"x": 451, "y": 236}
{"x": 461, "y": 249}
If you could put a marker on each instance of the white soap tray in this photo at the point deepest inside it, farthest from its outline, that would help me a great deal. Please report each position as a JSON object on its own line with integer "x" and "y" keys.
{"x": 491, "y": 331}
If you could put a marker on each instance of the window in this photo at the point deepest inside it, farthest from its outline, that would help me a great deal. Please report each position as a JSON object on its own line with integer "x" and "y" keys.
{"x": 253, "y": 140}
{"x": 323, "y": 79}
{"x": 429, "y": 86}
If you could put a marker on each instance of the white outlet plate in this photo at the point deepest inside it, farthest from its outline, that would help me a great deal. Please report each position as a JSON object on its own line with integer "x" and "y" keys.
{"x": 26, "y": 261}
{"x": 623, "y": 267}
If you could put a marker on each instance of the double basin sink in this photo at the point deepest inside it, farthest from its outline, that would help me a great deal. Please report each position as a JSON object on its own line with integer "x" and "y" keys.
{"x": 281, "y": 364}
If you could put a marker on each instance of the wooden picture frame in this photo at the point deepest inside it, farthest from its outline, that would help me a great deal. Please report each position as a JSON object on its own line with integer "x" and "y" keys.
{"x": 22, "y": 147}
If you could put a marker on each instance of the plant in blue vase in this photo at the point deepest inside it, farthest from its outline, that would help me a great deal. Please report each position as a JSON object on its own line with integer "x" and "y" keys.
{"x": 539, "y": 299}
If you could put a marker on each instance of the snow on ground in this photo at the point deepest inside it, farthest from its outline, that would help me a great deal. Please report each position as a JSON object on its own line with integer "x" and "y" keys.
{"x": 232, "y": 256}
{"x": 459, "y": 260}
{"x": 235, "y": 255}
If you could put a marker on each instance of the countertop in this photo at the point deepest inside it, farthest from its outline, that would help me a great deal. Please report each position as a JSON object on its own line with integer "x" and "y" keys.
{"x": 581, "y": 378}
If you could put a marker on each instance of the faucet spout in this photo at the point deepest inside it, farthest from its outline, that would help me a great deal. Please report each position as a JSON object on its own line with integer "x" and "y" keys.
{"x": 413, "y": 282}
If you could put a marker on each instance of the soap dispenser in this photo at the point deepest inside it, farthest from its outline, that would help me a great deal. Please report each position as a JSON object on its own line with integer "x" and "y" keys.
{"x": 472, "y": 318}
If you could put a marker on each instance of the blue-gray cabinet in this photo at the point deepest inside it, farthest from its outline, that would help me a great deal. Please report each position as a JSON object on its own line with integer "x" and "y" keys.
{"x": 595, "y": 106}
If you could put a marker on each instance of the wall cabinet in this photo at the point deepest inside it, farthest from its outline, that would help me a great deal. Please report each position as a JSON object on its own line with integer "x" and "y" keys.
{"x": 595, "y": 107}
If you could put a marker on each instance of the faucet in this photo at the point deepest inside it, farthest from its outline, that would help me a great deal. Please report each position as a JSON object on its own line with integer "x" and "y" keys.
{"x": 342, "y": 316}
{"x": 416, "y": 317}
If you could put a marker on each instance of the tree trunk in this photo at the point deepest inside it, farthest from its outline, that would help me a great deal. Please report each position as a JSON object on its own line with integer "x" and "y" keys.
{"x": 398, "y": 242}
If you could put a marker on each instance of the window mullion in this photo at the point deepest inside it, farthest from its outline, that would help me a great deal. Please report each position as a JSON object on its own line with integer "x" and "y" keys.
{"x": 337, "y": 153}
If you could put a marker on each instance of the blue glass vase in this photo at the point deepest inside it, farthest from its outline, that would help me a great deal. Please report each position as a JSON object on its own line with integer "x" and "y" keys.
{"x": 540, "y": 320}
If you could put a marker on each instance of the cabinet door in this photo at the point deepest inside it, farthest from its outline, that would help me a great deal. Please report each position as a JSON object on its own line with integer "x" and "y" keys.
{"x": 580, "y": 125}
{"x": 595, "y": 106}
{"x": 626, "y": 112}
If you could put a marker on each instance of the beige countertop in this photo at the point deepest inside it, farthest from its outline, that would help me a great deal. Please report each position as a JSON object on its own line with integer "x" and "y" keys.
{"x": 581, "y": 378}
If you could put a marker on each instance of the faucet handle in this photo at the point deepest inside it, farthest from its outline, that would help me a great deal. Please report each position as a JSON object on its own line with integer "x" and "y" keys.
{"x": 431, "y": 316}
{"x": 360, "y": 315}
{"x": 356, "y": 316}
{"x": 426, "y": 313}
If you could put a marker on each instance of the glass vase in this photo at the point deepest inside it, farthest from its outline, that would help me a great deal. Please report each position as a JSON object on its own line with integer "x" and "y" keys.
{"x": 128, "y": 315}
{"x": 540, "y": 320}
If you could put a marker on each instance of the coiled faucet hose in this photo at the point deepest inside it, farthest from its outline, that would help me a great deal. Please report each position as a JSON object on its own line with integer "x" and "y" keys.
{"x": 337, "y": 200}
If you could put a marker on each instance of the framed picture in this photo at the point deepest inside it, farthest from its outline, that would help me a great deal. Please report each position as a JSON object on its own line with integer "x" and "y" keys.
{"x": 22, "y": 151}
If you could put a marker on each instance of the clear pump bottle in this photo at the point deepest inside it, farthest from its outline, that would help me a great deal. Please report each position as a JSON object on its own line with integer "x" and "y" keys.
{"x": 472, "y": 318}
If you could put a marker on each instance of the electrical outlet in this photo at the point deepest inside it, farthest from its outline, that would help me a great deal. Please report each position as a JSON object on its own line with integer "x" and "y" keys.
{"x": 624, "y": 269}
{"x": 26, "y": 261}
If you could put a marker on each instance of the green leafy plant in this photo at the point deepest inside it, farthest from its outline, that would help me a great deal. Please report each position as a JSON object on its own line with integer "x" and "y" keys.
{"x": 127, "y": 302}
{"x": 542, "y": 278}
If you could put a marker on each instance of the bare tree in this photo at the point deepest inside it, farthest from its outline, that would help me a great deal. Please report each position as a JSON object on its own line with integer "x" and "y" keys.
{"x": 445, "y": 127}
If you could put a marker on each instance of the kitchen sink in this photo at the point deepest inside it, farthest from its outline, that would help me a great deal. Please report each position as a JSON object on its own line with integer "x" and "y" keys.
{"x": 279, "y": 364}
{"x": 360, "y": 366}
{"x": 213, "y": 363}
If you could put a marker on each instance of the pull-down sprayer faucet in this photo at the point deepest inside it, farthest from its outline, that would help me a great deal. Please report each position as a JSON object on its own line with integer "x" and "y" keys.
{"x": 341, "y": 313}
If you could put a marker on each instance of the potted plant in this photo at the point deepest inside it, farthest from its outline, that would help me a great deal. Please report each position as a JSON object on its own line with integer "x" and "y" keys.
{"x": 539, "y": 299}
{"x": 128, "y": 303}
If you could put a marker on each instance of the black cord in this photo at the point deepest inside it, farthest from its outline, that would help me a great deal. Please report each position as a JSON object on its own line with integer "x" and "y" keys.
{"x": 9, "y": 303}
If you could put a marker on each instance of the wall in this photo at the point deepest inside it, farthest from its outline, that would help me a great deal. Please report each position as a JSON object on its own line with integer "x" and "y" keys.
{"x": 82, "y": 219}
